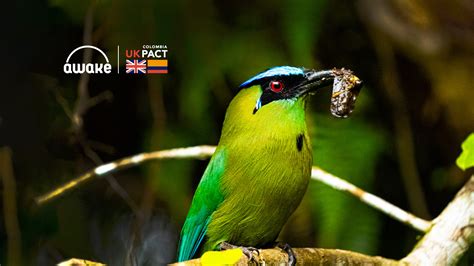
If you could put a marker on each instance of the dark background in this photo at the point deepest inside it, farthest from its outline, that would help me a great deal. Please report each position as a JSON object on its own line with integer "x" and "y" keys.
{"x": 415, "y": 57}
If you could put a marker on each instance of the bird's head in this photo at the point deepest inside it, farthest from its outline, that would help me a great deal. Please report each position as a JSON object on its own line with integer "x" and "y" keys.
{"x": 273, "y": 101}
{"x": 286, "y": 84}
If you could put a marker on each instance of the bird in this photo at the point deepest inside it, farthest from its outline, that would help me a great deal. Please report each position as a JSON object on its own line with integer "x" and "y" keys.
{"x": 261, "y": 167}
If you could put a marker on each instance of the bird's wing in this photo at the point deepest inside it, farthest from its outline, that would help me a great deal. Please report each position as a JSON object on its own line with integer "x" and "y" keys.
{"x": 206, "y": 200}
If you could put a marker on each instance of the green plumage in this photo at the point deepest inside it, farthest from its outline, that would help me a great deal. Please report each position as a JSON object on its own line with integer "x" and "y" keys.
{"x": 256, "y": 178}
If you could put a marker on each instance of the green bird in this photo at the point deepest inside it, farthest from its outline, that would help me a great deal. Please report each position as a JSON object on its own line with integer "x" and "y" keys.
{"x": 261, "y": 168}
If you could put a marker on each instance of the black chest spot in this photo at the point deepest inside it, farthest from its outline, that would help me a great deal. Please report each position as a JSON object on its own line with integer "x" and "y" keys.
{"x": 299, "y": 142}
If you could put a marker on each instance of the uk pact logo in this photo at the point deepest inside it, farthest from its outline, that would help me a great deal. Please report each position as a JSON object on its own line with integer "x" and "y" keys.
{"x": 151, "y": 59}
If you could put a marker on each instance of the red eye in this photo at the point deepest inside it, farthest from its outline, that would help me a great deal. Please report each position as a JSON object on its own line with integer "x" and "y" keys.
{"x": 276, "y": 86}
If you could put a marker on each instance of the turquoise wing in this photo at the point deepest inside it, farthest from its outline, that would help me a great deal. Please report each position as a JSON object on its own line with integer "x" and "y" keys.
{"x": 206, "y": 199}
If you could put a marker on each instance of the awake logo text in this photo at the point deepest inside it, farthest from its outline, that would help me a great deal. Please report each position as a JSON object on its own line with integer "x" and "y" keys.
{"x": 90, "y": 68}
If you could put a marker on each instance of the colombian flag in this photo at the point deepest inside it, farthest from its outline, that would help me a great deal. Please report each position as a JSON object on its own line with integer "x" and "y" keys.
{"x": 157, "y": 66}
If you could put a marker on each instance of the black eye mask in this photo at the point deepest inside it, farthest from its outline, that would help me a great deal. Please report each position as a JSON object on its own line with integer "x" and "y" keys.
{"x": 270, "y": 94}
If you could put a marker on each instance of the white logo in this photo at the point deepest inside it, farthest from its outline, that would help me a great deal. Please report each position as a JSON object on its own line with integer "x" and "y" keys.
{"x": 91, "y": 68}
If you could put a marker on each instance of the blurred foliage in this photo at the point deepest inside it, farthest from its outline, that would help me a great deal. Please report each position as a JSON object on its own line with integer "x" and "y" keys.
{"x": 349, "y": 149}
{"x": 213, "y": 47}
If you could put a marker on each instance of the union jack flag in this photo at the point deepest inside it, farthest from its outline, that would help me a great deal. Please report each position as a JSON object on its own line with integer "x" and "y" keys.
{"x": 136, "y": 66}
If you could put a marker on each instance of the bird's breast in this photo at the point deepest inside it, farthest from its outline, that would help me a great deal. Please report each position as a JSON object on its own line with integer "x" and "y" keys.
{"x": 262, "y": 185}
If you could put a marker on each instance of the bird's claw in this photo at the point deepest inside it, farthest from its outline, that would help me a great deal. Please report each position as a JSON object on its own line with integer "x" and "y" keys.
{"x": 248, "y": 251}
{"x": 289, "y": 251}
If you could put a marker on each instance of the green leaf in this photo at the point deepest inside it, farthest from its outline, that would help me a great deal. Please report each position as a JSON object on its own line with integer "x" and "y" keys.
{"x": 466, "y": 159}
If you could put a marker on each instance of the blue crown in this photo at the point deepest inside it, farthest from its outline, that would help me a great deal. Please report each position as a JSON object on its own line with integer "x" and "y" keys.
{"x": 272, "y": 72}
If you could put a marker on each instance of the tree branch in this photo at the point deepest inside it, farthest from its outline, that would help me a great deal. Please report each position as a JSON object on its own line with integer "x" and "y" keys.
{"x": 202, "y": 152}
{"x": 308, "y": 256}
{"x": 371, "y": 200}
{"x": 197, "y": 152}
{"x": 451, "y": 234}
{"x": 82, "y": 91}
{"x": 448, "y": 236}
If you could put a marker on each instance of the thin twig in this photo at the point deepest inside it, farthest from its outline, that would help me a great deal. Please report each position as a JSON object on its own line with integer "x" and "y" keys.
{"x": 101, "y": 97}
{"x": 110, "y": 179}
{"x": 426, "y": 40}
{"x": 82, "y": 88}
{"x": 12, "y": 227}
{"x": 371, "y": 200}
{"x": 202, "y": 152}
{"x": 84, "y": 102}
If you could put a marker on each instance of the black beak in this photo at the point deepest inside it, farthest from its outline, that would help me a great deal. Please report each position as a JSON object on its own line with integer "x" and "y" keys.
{"x": 315, "y": 80}
{"x": 318, "y": 79}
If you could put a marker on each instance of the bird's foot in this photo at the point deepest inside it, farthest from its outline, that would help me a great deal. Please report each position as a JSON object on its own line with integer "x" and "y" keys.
{"x": 248, "y": 251}
{"x": 289, "y": 251}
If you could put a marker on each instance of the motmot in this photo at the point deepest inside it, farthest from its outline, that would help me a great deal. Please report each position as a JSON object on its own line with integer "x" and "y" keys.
{"x": 261, "y": 167}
